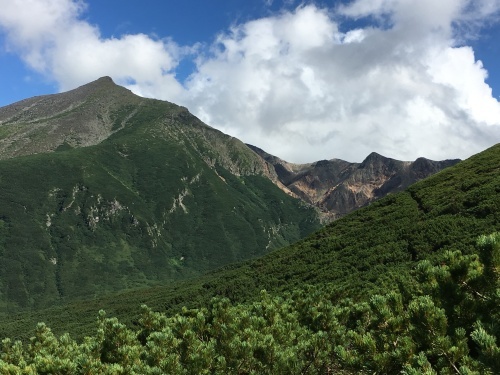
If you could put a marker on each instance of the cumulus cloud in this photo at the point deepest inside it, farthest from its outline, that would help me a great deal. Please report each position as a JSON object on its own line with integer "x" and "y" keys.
{"x": 54, "y": 40}
{"x": 298, "y": 84}
{"x": 294, "y": 84}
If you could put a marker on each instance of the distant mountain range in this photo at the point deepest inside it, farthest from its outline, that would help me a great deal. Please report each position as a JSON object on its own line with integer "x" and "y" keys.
{"x": 338, "y": 187}
{"x": 102, "y": 190}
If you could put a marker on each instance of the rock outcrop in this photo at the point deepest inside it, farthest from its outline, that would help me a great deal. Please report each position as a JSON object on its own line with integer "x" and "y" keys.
{"x": 338, "y": 187}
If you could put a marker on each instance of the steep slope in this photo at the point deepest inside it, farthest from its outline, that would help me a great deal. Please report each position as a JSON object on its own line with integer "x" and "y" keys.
{"x": 155, "y": 195}
{"x": 371, "y": 250}
{"x": 81, "y": 117}
{"x": 90, "y": 114}
{"x": 338, "y": 187}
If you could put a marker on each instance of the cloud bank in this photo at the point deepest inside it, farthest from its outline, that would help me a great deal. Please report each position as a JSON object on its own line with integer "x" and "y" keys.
{"x": 304, "y": 84}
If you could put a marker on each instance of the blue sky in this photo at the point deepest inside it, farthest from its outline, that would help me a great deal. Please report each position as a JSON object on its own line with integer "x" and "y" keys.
{"x": 305, "y": 80}
{"x": 187, "y": 22}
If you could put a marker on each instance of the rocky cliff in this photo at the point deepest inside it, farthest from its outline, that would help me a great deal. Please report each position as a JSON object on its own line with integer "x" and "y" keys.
{"x": 338, "y": 187}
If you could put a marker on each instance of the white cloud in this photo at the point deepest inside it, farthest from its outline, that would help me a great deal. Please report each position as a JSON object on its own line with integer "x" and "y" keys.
{"x": 293, "y": 83}
{"x": 296, "y": 86}
{"x": 52, "y": 39}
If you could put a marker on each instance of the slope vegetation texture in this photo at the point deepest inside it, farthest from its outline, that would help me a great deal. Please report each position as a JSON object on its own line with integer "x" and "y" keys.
{"x": 409, "y": 284}
{"x": 101, "y": 190}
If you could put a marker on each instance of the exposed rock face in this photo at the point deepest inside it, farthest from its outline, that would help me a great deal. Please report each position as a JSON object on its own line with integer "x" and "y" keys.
{"x": 81, "y": 117}
{"x": 338, "y": 187}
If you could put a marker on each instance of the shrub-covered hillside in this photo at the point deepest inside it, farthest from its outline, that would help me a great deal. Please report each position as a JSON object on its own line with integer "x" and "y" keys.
{"x": 161, "y": 198}
{"x": 373, "y": 250}
{"x": 448, "y": 324}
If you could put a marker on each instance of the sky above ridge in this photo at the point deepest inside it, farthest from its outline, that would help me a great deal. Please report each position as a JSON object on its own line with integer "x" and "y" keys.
{"x": 303, "y": 80}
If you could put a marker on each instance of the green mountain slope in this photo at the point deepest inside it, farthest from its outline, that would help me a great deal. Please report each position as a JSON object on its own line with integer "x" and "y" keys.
{"x": 371, "y": 250}
{"x": 158, "y": 196}
{"x": 448, "y": 324}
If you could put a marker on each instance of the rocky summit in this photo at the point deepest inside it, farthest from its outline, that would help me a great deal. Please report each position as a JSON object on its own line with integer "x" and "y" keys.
{"x": 337, "y": 187}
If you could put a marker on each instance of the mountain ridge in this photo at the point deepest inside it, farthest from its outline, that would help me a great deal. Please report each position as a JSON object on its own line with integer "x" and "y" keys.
{"x": 337, "y": 187}
{"x": 74, "y": 118}
{"x": 79, "y": 118}
{"x": 99, "y": 181}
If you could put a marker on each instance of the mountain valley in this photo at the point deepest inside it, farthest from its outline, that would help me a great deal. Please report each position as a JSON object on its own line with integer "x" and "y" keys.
{"x": 212, "y": 256}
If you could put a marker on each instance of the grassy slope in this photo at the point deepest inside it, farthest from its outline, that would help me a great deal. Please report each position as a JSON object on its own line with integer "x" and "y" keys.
{"x": 369, "y": 250}
{"x": 140, "y": 208}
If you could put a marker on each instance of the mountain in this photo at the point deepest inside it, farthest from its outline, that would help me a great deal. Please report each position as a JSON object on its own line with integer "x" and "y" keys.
{"x": 92, "y": 113}
{"x": 101, "y": 191}
{"x": 409, "y": 284}
{"x": 82, "y": 117}
{"x": 372, "y": 250}
{"x": 338, "y": 187}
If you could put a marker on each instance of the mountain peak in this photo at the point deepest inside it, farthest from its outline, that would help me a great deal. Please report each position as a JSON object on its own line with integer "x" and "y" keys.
{"x": 103, "y": 83}
{"x": 105, "y": 79}
{"x": 80, "y": 117}
{"x": 373, "y": 158}
{"x": 375, "y": 155}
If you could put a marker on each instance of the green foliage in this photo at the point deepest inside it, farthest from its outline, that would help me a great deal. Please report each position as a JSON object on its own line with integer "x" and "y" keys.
{"x": 162, "y": 199}
{"x": 307, "y": 331}
{"x": 370, "y": 251}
